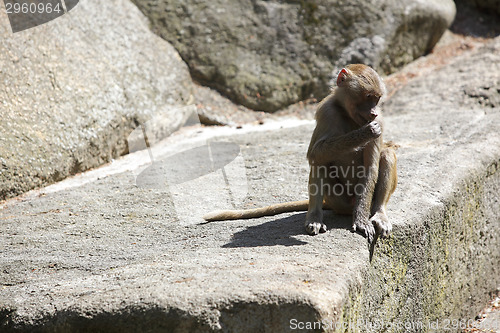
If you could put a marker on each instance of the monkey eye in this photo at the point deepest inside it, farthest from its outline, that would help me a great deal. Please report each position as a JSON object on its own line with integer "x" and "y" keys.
{"x": 375, "y": 98}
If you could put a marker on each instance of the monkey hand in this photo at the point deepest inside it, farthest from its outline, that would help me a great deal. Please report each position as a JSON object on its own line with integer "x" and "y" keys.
{"x": 365, "y": 228}
{"x": 373, "y": 129}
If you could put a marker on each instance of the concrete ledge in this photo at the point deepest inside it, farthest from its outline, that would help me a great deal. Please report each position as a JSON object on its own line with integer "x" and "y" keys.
{"x": 110, "y": 256}
{"x": 437, "y": 269}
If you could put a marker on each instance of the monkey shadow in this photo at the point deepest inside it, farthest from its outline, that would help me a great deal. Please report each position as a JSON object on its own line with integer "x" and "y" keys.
{"x": 283, "y": 231}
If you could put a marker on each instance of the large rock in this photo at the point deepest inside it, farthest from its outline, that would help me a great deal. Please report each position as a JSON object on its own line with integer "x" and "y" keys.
{"x": 73, "y": 89}
{"x": 268, "y": 54}
{"x": 471, "y": 81}
{"x": 111, "y": 256}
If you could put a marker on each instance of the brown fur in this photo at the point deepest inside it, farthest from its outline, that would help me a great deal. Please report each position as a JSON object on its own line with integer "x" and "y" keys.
{"x": 348, "y": 135}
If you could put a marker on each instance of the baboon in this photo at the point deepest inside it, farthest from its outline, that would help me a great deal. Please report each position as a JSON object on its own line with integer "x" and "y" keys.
{"x": 351, "y": 170}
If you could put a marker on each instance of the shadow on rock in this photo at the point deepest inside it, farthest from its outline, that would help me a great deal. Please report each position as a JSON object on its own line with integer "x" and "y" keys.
{"x": 283, "y": 231}
{"x": 475, "y": 22}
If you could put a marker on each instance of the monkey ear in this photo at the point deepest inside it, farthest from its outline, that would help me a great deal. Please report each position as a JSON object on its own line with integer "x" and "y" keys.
{"x": 342, "y": 76}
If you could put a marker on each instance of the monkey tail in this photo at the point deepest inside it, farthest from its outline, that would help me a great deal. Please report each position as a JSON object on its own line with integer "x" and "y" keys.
{"x": 223, "y": 215}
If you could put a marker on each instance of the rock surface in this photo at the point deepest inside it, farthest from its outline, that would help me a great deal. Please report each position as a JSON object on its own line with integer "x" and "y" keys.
{"x": 72, "y": 89}
{"x": 112, "y": 256}
{"x": 269, "y": 54}
{"x": 453, "y": 86}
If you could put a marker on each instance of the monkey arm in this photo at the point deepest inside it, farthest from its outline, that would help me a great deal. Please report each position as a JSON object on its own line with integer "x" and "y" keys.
{"x": 324, "y": 148}
{"x": 362, "y": 207}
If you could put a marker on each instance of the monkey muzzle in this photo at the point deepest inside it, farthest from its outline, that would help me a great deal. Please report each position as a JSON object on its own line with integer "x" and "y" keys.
{"x": 368, "y": 116}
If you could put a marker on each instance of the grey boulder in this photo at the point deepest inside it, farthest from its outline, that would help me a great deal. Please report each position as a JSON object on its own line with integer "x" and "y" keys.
{"x": 73, "y": 89}
{"x": 266, "y": 55}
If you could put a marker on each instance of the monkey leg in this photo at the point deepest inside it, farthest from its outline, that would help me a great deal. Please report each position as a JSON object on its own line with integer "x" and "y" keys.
{"x": 314, "y": 218}
{"x": 340, "y": 202}
{"x": 386, "y": 184}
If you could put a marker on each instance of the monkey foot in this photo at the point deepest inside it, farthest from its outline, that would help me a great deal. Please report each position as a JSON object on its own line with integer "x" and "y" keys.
{"x": 314, "y": 228}
{"x": 381, "y": 224}
{"x": 365, "y": 229}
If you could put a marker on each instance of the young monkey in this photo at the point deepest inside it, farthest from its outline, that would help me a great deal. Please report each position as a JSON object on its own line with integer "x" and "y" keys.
{"x": 352, "y": 170}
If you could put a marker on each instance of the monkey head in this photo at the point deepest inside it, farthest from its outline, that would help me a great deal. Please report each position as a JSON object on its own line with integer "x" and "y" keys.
{"x": 359, "y": 91}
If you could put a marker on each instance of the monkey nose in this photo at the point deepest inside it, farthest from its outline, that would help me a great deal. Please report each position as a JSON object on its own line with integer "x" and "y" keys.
{"x": 373, "y": 115}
